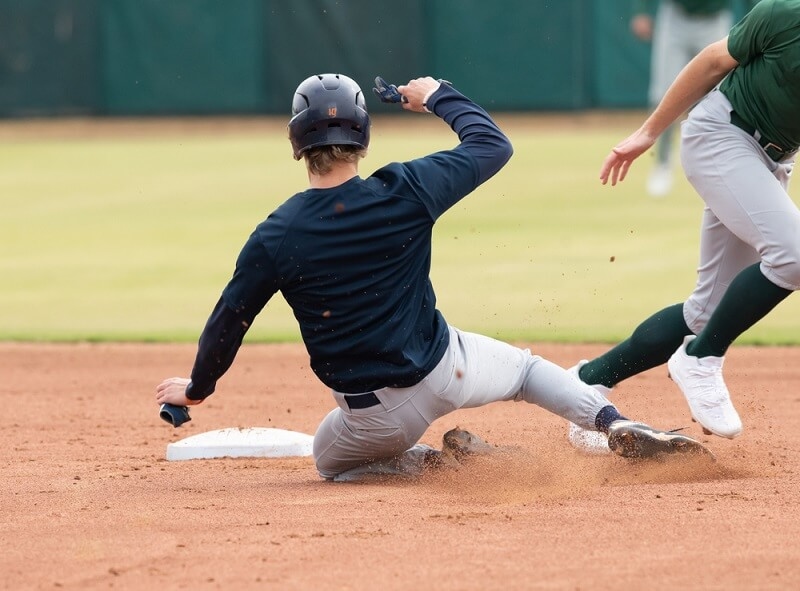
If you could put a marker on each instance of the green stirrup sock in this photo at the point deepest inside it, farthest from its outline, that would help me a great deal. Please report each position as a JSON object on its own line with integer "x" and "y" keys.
{"x": 749, "y": 298}
{"x": 650, "y": 345}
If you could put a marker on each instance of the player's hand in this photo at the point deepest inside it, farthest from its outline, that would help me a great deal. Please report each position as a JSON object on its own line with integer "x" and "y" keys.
{"x": 642, "y": 26}
{"x": 173, "y": 391}
{"x": 412, "y": 96}
{"x": 417, "y": 91}
{"x": 617, "y": 163}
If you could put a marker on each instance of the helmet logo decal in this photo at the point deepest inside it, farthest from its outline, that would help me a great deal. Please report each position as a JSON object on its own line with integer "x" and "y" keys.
{"x": 332, "y": 111}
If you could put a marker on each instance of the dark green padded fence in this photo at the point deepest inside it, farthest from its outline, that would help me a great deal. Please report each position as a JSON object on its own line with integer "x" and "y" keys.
{"x": 48, "y": 57}
{"x": 514, "y": 54}
{"x": 154, "y": 57}
{"x": 361, "y": 38}
{"x": 182, "y": 56}
{"x": 620, "y": 62}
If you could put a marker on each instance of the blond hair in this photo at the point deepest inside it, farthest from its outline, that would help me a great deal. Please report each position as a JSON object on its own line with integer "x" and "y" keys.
{"x": 320, "y": 160}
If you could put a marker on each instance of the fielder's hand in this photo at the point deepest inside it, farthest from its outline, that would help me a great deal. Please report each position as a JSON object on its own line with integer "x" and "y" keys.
{"x": 615, "y": 166}
{"x": 642, "y": 27}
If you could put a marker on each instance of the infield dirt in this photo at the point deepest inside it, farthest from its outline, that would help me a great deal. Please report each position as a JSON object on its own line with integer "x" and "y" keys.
{"x": 90, "y": 502}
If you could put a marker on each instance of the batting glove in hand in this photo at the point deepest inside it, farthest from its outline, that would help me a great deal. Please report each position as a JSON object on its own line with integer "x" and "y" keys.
{"x": 174, "y": 415}
{"x": 387, "y": 92}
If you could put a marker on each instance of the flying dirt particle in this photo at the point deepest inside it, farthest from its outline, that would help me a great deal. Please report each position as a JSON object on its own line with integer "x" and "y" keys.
{"x": 326, "y": 314}
{"x": 339, "y": 207}
{"x": 612, "y": 259}
{"x": 459, "y": 374}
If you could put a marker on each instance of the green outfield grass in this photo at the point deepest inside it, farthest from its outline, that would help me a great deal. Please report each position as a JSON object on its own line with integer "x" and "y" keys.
{"x": 107, "y": 238}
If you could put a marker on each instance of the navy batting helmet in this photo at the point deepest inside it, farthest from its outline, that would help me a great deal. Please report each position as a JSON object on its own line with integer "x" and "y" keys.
{"x": 328, "y": 109}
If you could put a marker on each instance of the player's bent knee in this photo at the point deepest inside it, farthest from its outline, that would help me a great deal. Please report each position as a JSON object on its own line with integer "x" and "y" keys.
{"x": 786, "y": 275}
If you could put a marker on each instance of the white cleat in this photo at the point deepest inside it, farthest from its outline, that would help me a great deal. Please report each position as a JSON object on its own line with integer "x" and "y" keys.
{"x": 700, "y": 380}
{"x": 659, "y": 183}
{"x": 590, "y": 442}
{"x": 594, "y": 443}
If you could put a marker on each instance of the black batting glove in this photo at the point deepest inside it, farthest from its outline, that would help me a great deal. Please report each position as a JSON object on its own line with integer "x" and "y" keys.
{"x": 174, "y": 415}
{"x": 386, "y": 92}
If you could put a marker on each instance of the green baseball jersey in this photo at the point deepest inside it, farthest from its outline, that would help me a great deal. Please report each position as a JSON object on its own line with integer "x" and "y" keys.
{"x": 765, "y": 87}
{"x": 699, "y": 7}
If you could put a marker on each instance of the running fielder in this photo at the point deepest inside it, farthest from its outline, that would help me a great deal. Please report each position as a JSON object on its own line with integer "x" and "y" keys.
{"x": 679, "y": 31}
{"x": 352, "y": 257}
{"x": 738, "y": 149}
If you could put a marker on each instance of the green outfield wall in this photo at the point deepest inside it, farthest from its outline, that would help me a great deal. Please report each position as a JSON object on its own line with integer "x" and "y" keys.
{"x": 195, "y": 57}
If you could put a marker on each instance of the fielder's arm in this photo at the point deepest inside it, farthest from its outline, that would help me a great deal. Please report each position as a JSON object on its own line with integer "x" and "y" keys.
{"x": 699, "y": 77}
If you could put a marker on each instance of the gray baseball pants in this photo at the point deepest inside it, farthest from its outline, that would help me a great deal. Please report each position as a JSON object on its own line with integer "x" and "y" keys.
{"x": 677, "y": 38}
{"x": 474, "y": 371}
{"x": 748, "y": 216}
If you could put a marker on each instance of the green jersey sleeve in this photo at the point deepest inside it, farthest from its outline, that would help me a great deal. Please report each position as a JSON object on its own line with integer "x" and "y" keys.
{"x": 764, "y": 88}
{"x": 750, "y": 37}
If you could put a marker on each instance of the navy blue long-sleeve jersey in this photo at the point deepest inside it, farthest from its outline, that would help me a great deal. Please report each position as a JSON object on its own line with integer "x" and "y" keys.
{"x": 353, "y": 262}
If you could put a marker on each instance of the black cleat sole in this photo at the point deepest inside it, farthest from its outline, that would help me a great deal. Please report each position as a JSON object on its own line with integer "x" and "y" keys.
{"x": 638, "y": 441}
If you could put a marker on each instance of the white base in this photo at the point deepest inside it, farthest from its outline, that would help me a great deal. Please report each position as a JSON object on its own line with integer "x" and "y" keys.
{"x": 255, "y": 442}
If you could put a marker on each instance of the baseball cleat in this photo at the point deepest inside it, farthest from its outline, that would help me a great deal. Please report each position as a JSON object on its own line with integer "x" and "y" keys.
{"x": 705, "y": 431}
{"x": 700, "y": 380}
{"x": 410, "y": 464}
{"x": 659, "y": 183}
{"x": 586, "y": 441}
{"x": 630, "y": 439}
{"x": 460, "y": 443}
{"x": 594, "y": 443}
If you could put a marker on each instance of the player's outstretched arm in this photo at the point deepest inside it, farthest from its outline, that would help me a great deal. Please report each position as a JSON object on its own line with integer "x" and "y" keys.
{"x": 700, "y": 76}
